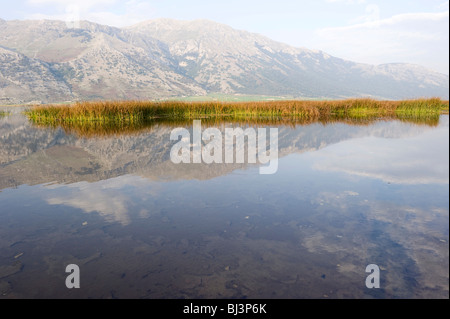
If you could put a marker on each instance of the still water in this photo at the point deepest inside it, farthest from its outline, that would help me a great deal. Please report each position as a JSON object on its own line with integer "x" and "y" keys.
{"x": 138, "y": 226}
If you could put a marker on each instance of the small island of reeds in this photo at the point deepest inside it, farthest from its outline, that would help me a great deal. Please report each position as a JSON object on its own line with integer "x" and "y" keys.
{"x": 120, "y": 112}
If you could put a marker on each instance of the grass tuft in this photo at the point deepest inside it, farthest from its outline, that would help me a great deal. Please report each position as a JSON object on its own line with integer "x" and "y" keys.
{"x": 4, "y": 113}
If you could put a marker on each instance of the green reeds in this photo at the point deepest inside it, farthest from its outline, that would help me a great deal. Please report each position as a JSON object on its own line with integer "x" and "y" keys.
{"x": 138, "y": 112}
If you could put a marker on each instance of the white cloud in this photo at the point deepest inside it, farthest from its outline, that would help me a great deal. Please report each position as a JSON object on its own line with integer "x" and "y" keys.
{"x": 108, "y": 12}
{"x": 420, "y": 159}
{"x": 346, "y": 1}
{"x": 420, "y": 38}
{"x": 135, "y": 11}
{"x": 81, "y": 3}
{"x": 372, "y": 14}
{"x": 392, "y": 21}
{"x": 443, "y": 5}
{"x": 111, "y": 205}
{"x": 104, "y": 197}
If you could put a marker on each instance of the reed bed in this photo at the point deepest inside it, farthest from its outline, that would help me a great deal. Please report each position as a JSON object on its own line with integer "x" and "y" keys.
{"x": 137, "y": 112}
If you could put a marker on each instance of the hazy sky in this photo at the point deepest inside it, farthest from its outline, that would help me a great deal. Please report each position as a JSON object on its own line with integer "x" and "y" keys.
{"x": 365, "y": 31}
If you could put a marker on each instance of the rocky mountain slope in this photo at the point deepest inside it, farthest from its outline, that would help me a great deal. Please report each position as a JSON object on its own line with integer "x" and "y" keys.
{"x": 48, "y": 61}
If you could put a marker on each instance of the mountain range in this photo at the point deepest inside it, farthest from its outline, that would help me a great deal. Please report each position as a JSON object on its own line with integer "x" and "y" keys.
{"x": 49, "y": 61}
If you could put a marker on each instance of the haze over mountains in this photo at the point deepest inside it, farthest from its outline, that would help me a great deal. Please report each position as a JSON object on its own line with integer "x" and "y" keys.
{"x": 46, "y": 61}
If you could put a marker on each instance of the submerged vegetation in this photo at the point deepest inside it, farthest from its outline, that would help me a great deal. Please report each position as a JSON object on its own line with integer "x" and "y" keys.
{"x": 106, "y": 117}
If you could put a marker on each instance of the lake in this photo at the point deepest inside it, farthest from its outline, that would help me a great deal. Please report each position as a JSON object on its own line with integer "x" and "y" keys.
{"x": 345, "y": 195}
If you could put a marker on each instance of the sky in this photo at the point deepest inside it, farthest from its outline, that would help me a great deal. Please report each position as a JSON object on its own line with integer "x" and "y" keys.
{"x": 365, "y": 31}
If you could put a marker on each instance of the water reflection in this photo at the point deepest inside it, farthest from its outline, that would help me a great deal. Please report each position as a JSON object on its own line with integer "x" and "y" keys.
{"x": 34, "y": 156}
{"x": 100, "y": 129}
{"x": 139, "y": 226}
{"x": 415, "y": 159}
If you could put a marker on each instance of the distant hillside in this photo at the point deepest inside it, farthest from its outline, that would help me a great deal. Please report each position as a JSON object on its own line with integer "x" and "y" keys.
{"x": 49, "y": 62}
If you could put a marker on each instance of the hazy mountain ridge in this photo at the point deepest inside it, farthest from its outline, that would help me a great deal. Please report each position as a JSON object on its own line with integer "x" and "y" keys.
{"x": 162, "y": 58}
{"x": 24, "y": 76}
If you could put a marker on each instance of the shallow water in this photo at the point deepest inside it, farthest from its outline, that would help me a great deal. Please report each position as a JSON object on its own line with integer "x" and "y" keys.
{"x": 138, "y": 226}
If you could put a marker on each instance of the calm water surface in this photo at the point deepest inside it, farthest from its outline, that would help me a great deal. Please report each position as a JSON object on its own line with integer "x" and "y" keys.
{"x": 138, "y": 226}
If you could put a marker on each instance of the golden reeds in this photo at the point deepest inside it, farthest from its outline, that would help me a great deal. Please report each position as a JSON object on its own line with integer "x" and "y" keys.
{"x": 122, "y": 115}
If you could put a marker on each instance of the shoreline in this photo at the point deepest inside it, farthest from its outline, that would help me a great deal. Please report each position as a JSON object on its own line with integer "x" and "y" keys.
{"x": 141, "y": 111}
